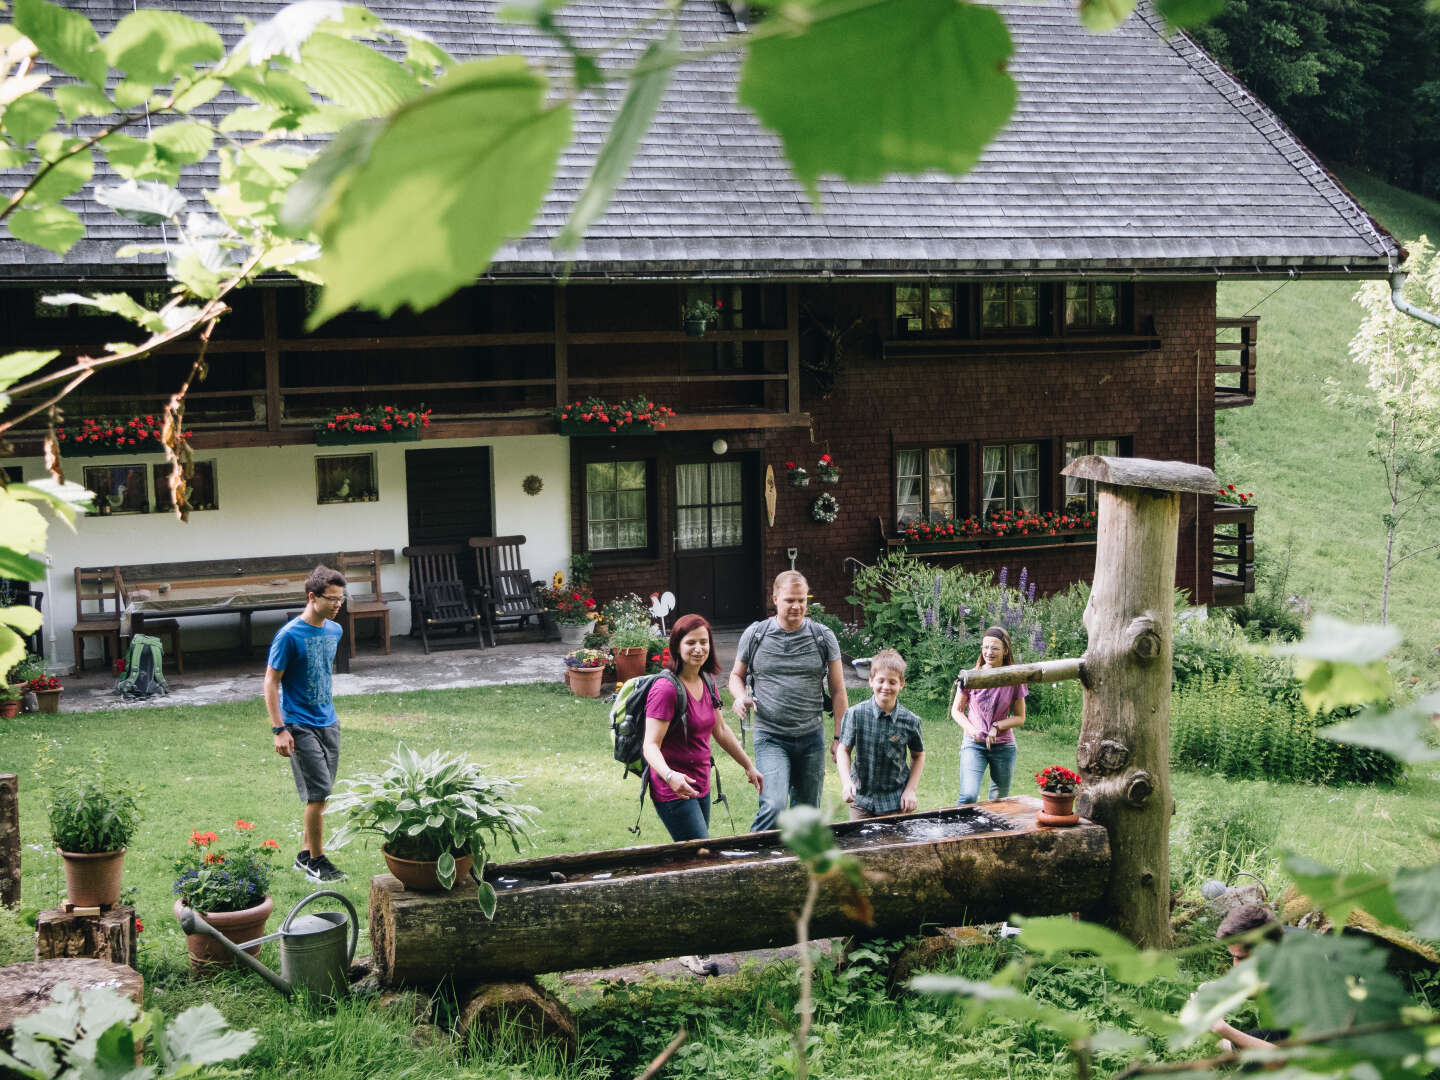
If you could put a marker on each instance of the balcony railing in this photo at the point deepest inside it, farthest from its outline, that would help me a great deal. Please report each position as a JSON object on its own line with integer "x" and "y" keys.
{"x": 1233, "y": 554}
{"x": 1235, "y": 361}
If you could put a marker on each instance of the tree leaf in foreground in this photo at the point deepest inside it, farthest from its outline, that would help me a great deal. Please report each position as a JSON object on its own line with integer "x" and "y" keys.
{"x": 901, "y": 87}
{"x": 1105, "y": 15}
{"x": 1339, "y": 894}
{"x": 612, "y": 164}
{"x": 1057, "y": 934}
{"x": 1417, "y": 895}
{"x": 153, "y": 46}
{"x": 65, "y": 37}
{"x": 1406, "y": 733}
{"x": 452, "y": 176}
{"x": 54, "y": 228}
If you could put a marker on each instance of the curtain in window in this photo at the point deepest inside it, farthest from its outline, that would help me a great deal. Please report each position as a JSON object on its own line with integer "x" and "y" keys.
{"x": 1025, "y": 476}
{"x": 691, "y": 482}
{"x": 907, "y": 486}
{"x": 992, "y": 468}
{"x": 726, "y": 512}
{"x": 941, "y": 463}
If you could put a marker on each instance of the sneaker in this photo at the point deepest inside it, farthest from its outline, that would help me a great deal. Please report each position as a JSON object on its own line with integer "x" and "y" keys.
{"x": 301, "y": 865}
{"x": 322, "y": 869}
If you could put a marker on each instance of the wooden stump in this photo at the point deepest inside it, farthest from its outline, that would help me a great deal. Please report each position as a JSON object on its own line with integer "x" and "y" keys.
{"x": 1124, "y": 750}
{"x": 9, "y": 839}
{"x": 25, "y": 988}
{"x": 109, "y": 935}
{"x": 524, "y": 1007}
{"x": 924, "y": 953}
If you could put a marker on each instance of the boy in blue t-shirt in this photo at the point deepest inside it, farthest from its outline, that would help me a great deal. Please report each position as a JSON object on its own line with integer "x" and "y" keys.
{"x": 302, "y": 715}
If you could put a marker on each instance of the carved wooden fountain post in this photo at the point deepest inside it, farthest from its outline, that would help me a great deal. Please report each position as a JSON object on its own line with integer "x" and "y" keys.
{"x": 1124, "y": 749}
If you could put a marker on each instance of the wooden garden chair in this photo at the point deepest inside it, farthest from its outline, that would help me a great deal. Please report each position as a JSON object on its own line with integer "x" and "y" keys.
{"x": 506, "y": 583}
{"x": 364, "y": 598}
{"x": 97, "y": 612}
{"x": 439, "y": 596}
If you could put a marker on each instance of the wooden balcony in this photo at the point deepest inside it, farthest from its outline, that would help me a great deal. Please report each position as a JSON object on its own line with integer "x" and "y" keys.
{"x": 1233, "y": 554}
{"x": 1235, "y": 361}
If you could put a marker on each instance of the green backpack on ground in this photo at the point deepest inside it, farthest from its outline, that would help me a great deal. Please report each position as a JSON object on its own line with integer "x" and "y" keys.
{"x": 141, "y": 677}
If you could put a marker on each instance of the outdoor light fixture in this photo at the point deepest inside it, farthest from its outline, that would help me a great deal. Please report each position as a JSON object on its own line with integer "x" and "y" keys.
{"x": 720, "y": 446}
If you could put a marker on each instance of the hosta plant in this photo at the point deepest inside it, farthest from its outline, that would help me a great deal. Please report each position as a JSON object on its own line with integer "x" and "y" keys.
{"x": 433, "y": 808}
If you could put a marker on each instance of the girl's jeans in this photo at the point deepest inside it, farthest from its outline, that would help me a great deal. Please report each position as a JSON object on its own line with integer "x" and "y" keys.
{"x": 685, "y": 819}
{"x": 974, "y": 756}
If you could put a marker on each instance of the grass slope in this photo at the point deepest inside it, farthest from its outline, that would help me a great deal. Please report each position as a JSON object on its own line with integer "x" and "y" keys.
{"x": 1321, "y": 496}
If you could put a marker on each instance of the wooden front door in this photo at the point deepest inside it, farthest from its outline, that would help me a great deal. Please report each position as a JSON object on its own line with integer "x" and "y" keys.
{"x": 447, "y": 494}
{"x": 717, "y": 540}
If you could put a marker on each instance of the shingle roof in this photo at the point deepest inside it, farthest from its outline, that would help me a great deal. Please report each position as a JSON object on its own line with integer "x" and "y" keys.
{"x": 1129, "y": 153}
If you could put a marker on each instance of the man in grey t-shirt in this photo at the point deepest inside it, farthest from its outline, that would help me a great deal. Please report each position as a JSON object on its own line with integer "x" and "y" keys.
{"x": 786, "y": 660}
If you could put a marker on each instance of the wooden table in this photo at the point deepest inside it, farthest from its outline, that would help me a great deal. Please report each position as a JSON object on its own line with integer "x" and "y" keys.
{"x": 241, "y": 595}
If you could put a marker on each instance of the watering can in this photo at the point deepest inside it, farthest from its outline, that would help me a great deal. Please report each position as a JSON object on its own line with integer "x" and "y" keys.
{"x": 313, "y": 954}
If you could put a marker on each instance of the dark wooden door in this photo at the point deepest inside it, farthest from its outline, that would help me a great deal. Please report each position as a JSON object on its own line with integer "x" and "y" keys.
{"x": 717, "y": 539}
{"x": 448, "y": 495}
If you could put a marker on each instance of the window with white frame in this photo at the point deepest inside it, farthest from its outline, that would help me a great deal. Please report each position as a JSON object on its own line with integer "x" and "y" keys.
{"x": 615, "y": 505}
{"x": 1080, "y": 493}
{"x": 1010, "y": 477}
{"x": 927, "y": 483}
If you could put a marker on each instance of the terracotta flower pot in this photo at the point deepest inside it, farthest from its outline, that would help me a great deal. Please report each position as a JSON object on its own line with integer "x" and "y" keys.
{"x": 420, "y": 875}
{"x": 1058, "y": 811}
{"x": 630, "y": 663}
{"x": 47, "y": 701}
{"x": 207, "y": 954}
{"x": 93, "y": 880}
{"x": 585, "y": 681}
{"x": 8, "y": 709}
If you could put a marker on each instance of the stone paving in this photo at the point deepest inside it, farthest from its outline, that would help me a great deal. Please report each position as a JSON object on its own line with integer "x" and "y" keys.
{"x": 214, "y": 678}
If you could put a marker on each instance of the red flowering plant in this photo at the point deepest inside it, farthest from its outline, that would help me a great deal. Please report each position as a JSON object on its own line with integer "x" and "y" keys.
{"x": 232, "y": 878}
{"x": 44, "y": 682}
{"x": 798, "y": 475}
{"x": 139, "y": 433}
{"x": 376, "y": 420}
{"x": 1058, "y": 780}
{"x": 588, "y": 658}
{"x": 999, "y": 523}
{"x": 828, "y": 471}
{"x": 636, "y": 415}
{"x": 573, "y": 605}
{"x": 1229, "y": 495}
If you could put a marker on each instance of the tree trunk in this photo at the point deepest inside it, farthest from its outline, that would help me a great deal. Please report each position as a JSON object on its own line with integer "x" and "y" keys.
{"x": 1124, "y": 749}
{"x": 25, "y": 988}
{"x": 597, "y": 909}
{"x": 9, "y": 839}
{"x": 107, "y": 936}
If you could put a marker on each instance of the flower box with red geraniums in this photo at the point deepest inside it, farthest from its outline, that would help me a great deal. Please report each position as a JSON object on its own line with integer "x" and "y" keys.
{"x": 1230, "y": 496}
{"x": 595, "y": 416}
{"x": 45, "y": 682}
{"x": 827, "y": 470}
{"x": 137, "y": 435}
{"x": 1058, "y": 780}
{"x": 379, "y": 423}
{"x": 1011, "y": 526}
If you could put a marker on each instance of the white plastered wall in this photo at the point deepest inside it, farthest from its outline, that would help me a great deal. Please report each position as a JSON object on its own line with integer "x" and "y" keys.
{"x": 268, "y": 507}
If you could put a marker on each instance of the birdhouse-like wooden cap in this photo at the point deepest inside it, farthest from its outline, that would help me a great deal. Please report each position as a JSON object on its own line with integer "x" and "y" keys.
{"x": 1144, "y": 473}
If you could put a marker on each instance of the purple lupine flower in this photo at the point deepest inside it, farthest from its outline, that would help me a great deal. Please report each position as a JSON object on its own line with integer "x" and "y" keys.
{"x": 1032, "y": 592}
{"x": 927, "y": 618}
{"x": 1037, "y": 640}
{"x": 1024, "y": 577}
{"x": 1004, "y": 575}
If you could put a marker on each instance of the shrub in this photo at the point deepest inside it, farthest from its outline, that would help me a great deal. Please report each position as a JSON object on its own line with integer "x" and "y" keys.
{"x": 91, "y": 812}
{"x": 17, "y": 937}
{"x": 1222, "y": 725}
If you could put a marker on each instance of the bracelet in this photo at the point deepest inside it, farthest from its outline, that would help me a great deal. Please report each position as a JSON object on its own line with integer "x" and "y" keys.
{"x": 276, "y": 729}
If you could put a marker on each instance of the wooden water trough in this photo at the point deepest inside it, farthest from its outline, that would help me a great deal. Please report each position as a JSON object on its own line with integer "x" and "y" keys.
{"x": 978, "y": 863}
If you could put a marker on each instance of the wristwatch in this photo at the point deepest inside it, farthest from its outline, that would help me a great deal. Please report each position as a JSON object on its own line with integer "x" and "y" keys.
{"x": 275, "y": 729}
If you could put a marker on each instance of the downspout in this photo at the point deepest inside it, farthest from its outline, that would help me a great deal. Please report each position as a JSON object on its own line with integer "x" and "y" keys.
{"x": 1397, "y": 298}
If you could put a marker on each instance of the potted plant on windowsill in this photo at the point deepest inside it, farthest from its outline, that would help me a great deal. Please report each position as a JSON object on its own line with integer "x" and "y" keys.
{"x": 229, "y": 887}
{"x": 585, "y": 670}
{"x": 92, "y": 819}
{"x": 595, "y": 416}
{"x": 1057, "y": 792}
{"x": 437, "y": 816}
{"x": 699, "y": 315}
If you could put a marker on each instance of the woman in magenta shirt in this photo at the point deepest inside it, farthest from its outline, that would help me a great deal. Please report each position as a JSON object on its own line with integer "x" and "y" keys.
{"x": 679, "y": 754}
{"x": 989, "y": 718}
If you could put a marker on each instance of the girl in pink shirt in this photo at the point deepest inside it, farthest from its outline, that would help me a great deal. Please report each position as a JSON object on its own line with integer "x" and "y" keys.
{"x": 989, "y": 718}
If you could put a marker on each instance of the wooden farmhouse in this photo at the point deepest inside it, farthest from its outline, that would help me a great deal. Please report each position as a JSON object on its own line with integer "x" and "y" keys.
{"x": 950, "y": 343}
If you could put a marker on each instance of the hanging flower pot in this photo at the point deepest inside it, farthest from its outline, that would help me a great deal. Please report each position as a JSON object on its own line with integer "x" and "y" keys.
{"x": 699, "y": 314}
{"x": 797, "y": 474}
{"x": 827, "y": 470}
{"x": 695, "y": 327}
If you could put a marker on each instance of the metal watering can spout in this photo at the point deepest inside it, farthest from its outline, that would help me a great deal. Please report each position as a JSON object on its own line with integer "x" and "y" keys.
{"x": 313, "y": 953}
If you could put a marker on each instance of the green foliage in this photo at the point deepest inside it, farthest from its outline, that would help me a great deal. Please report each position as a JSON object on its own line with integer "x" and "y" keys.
{"x": 91, "y": 811}
{"x": 17, "y": 936}
{"x": 95, "y": 1033}
{"x": 1222, "y": 833}
{"x": 1221, "y": 724}
{"x": 433, "y": 807}
{"x": 836, "y": 85}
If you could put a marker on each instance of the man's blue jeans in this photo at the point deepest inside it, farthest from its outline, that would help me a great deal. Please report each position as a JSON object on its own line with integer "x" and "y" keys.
{"x": 974, "y": 756}
{"x": 793, "y": 767}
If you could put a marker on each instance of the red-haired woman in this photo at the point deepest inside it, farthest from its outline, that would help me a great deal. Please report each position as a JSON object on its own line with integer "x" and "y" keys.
{"x": 679, "y": 754}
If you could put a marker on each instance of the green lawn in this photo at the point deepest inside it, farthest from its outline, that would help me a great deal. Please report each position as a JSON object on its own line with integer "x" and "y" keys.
{"x": 1321, "y": 497}
{"x": 205, "y": 767}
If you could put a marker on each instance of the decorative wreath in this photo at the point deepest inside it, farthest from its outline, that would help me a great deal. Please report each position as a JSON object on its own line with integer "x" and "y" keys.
{"x": 825, "y": 508}
{"x": 532, "y": 485}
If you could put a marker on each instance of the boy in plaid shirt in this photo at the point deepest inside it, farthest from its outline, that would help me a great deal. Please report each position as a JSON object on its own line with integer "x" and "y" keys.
{"x": 874, "y": 737}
